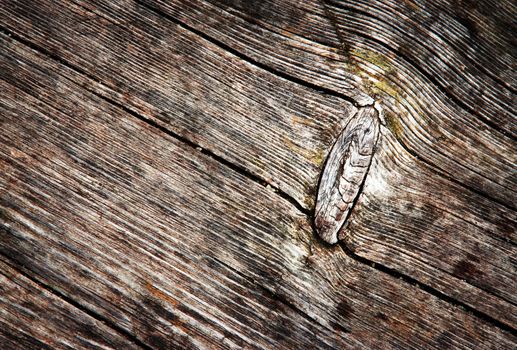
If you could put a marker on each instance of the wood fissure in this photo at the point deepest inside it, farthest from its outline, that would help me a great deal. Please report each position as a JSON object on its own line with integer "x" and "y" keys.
{"x": 250, "y": 60}
{"x": 428, "y": 289}
{"x": 235, "y": 167}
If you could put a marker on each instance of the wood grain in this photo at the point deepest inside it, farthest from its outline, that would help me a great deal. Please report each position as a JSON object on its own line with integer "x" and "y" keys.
{"x": 163, "y": 240}
{"x": 469, "y": 163}
{"x": 110, "y": 202}
{"x": 417, "y": 58}
{"x": 226, "y": 105}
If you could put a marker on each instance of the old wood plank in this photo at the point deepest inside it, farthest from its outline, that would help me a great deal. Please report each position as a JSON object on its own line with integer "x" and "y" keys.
{"x": 274, "y": 128}
{"x": 33, "y": 318}
{"x": 437, "y": 100}
{"x": 177, "y": 248}
{"x": 289, "y": 152}
{"x": 292, "y": 173}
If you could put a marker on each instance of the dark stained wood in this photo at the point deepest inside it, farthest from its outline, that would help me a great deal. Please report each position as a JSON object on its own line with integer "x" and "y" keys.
{"x": 105, "y": 199}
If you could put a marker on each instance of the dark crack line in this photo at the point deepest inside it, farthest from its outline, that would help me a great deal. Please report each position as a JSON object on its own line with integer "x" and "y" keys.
{"x": 235, "y": 167}
{"x": 428, "y": 289}
{"x": 241, "y": 170}
{"x": 98, "y": 317}
{"x": 248, "y": 59}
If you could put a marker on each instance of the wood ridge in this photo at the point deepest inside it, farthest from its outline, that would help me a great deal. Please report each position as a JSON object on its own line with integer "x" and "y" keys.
{"x": 433, "y": 80}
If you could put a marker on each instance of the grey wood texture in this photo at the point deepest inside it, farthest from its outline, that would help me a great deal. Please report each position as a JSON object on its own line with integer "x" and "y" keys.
{"x": 159, "y": 166}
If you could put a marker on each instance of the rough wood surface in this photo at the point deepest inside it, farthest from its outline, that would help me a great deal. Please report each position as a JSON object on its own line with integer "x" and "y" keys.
{"x": 105, "y": 200}
{"x": 164, "y": 241}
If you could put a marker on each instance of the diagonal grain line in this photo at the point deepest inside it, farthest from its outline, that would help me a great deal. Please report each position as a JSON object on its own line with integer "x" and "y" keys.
{"x": 235, "y": 167}
{"x": 248, "y": 59}
{"x": 119, "y": 330}
{"x": 442, "y": 173}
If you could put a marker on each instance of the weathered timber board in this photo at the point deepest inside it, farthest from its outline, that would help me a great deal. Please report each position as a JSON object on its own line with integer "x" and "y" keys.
{"x": 436, "y": 121}
{"x": 422, "y": 212}
{"x": 193, "y": 88}
{"x": 33, "y": 318}
{"x": 177, "y": 249}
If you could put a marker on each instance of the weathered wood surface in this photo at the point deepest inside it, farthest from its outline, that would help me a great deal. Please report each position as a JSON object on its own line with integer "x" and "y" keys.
{"x": 105, "y": 200}
{"x": 90, "y": 201}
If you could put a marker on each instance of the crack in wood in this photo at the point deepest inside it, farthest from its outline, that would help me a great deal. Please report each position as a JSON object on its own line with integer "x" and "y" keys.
{"x": 428, "y": 289}
{"x": 253, "y": 62}
{"x": 257, "y": 178}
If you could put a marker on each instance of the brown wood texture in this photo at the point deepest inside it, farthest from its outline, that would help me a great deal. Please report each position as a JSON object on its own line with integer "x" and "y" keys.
{"x": 159, "y": 163}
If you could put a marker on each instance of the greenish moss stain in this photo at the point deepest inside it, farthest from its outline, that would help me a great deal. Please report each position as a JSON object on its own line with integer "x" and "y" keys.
{"x": 393, "y": 124}
{"x": 315, "y": 157}
{"x": 318, "y": 157}
{"x": 378, "y": 83}
{"x": 374, "y": 58}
